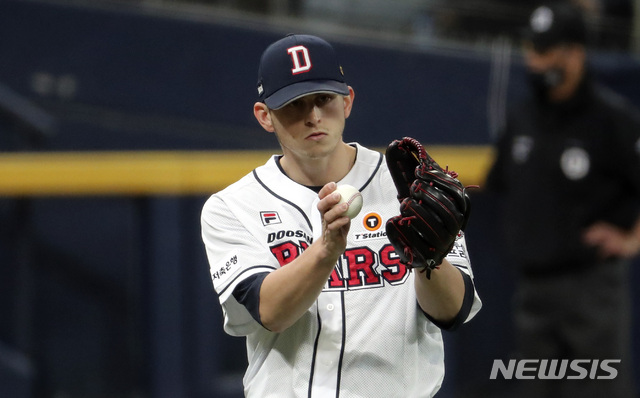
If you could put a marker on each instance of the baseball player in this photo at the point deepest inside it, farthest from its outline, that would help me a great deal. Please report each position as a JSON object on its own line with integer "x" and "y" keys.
{"x": 328, "y": 307}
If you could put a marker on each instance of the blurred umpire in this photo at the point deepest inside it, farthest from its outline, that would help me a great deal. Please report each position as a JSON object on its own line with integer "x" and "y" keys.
{"x": 568, "y": 173}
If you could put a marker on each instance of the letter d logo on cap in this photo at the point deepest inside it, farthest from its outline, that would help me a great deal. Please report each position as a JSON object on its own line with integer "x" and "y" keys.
{"x": 295, "y": 53}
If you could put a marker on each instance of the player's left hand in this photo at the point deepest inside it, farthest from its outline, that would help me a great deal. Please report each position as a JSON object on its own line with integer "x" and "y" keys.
{"x": 434, "y": 206}
{"x": 612, "y": 241}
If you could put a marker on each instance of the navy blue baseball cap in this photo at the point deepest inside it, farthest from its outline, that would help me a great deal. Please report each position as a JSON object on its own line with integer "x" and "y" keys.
{"x": 298, "y": 65}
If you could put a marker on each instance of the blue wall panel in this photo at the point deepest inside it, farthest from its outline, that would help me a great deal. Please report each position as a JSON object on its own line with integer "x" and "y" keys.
{"x": 133, "y": 71}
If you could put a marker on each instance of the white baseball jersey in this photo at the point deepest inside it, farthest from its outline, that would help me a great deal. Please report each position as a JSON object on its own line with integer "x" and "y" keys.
{"x": 365, "y": 336}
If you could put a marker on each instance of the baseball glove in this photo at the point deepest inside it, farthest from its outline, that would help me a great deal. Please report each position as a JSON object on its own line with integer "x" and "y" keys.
{"x": 434, "y": 206}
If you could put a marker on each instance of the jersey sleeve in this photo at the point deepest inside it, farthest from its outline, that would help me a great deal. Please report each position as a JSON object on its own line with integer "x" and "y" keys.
{"x": 459, "y": 258}
{"x": 234, "y": 255}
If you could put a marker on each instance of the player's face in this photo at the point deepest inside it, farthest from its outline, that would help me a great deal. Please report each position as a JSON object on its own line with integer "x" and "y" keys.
{"x": 311, "y": 126}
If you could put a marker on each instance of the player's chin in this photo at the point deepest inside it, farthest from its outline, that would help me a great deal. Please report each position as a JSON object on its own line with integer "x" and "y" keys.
{"x": 318, "y": 151}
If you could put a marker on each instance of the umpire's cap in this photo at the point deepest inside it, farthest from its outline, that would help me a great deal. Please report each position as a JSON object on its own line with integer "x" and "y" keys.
{"x": 554, "y": 24}
{"x": 298, "y": 65}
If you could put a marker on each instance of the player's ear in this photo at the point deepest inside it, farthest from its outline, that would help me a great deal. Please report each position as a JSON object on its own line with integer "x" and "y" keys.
{"x": 263, "y": 116}
{"x": 348, "y": 102}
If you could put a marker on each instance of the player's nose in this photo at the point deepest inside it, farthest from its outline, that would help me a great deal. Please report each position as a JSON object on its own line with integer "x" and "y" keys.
{"x": 314, "y": 114}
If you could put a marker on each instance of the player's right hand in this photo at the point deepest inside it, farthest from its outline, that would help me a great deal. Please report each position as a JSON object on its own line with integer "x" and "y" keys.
{"x": 335, "y": 225}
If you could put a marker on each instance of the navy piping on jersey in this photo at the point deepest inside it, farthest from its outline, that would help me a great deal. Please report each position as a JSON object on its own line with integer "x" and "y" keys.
{"x": 255, "y": 175}
{"x": 460, "y": 266}
{"x": 314, "y": 188}
{"x": 465, "y": 309}
{"x": 317, "y": 188}
{"x": 344, "y": 337}
{"x": 315, "y": 354}
{"x": 247, "y": 293}
{"x": 372, "y": 174}
{"x": 266, "y": 267}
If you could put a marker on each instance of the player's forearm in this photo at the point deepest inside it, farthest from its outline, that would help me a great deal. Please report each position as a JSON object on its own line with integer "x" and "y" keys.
{"x": 441, "y": 296}
{"x": 287, "y": 293}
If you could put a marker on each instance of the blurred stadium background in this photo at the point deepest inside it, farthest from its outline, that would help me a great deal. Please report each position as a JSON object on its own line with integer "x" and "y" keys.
{"x": 119, "y": 118}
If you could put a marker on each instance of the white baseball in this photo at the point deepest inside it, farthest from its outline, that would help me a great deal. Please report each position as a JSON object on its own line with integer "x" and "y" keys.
{"x": 351, "y": 196}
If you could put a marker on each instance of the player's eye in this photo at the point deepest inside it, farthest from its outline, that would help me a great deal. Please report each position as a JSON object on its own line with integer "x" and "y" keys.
{"x": 298, "y": 103}
{"x": 324, "y": 99}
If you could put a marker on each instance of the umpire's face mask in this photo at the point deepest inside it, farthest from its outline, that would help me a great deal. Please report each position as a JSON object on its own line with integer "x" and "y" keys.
{"x": 542, "y": 82}
{"x": 545, "y": 69}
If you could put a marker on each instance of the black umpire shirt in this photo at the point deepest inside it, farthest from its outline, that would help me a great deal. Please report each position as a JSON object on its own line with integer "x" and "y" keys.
{"x": 562, "y": 167}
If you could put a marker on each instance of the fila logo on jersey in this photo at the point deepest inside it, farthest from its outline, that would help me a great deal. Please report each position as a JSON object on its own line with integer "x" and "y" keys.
{"x": 270, "y": 218}
{"x": 299, "y": 53}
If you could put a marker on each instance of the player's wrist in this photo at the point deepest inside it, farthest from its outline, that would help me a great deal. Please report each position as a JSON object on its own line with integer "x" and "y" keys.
{"x": 323, "y": 254}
